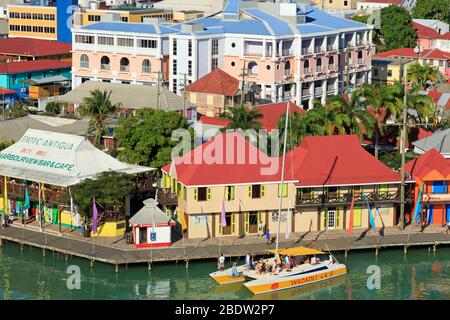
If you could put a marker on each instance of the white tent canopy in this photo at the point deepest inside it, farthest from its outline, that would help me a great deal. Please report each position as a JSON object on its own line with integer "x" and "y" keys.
{"x": 58, "y": 159}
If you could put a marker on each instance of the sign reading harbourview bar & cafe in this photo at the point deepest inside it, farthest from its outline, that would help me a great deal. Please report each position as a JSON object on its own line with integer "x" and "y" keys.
{"x": 58, "y": 159}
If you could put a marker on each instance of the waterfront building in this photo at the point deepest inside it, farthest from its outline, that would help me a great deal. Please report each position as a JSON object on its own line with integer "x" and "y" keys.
{"x": 24, "y": 49}
{"x": 8, "y": 97}
{"x": 432, "y": 57}
{"x": 47, "y": 164}
{"x": 323, "y": 175}
{"x": 370, "y": 6}
{"x": 152, "y": 227}
{"x": 335, "y": 5}
{"x": 274, "y": 47}
{"x": 131, "y": 97}
{"x": 431, "y": 173}
{"x": 388, "y": 70}
{"x": 208, "y": 7}
{"x": 15, "y": 75}
{"x": 49, "y": 20}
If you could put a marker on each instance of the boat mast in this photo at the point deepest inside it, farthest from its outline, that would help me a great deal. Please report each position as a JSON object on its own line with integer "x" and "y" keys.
{"x": 282, "y": 179}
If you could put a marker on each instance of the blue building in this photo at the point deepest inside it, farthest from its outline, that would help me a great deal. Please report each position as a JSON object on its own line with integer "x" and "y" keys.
{"x": 64, "y": 14}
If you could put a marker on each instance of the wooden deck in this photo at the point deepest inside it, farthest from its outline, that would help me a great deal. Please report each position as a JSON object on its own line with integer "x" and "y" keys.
{"x": 95, "y": 250}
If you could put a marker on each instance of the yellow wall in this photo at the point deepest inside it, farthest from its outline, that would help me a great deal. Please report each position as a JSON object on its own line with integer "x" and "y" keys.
{"x": 32, "y": 22}
{"x": 110, "y": 229}
{"x": 125, "y": 16}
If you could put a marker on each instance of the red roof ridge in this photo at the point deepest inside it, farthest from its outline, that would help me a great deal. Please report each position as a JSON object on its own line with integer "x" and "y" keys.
{"x": 216, "y": 82}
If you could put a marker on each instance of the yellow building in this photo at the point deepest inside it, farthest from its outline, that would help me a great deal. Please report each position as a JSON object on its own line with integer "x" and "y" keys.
{"x": 89, "y": 16}
{"x": 334, "y": 4}
{"x": 37, "y": 22}
{"x": 186, "y": 15}
{"x": 386, "y": 70}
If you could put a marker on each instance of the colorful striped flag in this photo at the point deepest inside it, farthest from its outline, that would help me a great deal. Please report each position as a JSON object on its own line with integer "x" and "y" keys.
{"x": 352, "y": 215}
{"x": 94, "y": 216}
{"x": 223, "y": 219}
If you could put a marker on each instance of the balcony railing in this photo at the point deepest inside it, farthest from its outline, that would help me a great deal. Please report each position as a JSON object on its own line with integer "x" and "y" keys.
{"x": 306, "y": 71}
{"x": 331, "y": 67}
{"x": 330, "y": 88}
{"x": 306, "y": 51}
{"x": 317, "y": 49}
{"x": 330, "y": 47}
{"x": 287, "y": 72}
{"x": 318, "y": 91}
{"x": 360, "y": 61}
{"x": 286, "y": 52}
{"x": 332, "y": 199}
{"x": 305, "y": 92}
{"x": 319, "y": 69}
{"x": 253, "y": 54}
{"x": 104, "y": 66}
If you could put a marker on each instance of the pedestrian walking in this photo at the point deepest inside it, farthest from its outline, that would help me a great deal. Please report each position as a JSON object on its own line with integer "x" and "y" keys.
{"x": 448, "y": 227}
{"x": 268, "y": 236}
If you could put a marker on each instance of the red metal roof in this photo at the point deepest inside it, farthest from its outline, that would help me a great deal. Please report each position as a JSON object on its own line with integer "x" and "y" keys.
{"x": 33, "y": 47}
{"x": 228, "y": 158}
{"x": 6, "y": 91}
{"x": 273, "y": 111}
{"x": 216, "y": 82}
{"x": 324, "y": 160}
{"x": 429, "y": 33}
{"x": 33, "y": 65}
{"x": 409, "y": 52}
{"x": 212, "y": 120}
{"x": 423, "y": 165}
{"x": 337, "y": 160}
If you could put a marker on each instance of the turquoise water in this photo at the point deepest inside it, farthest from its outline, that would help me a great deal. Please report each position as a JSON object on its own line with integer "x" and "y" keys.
{"x": 29, "y": 275}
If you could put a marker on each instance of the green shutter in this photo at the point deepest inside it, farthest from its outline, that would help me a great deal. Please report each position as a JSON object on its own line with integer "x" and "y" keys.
{"x": 208, "y": 193}
{"x": 384, "y": 188}
{"x": 262, "y": 191}
{"x": 249, "y": 191}
{"x": 219, "y": 224}
{"x": 337, "y": 218}
{"x": 232, "y": 192}
{"x": 285, "y": 190}
{"x": 357, "y": 217}
{"x": 325, "y": 219}
{"x": 233, "y": 223}
{"x": 196, "y": 194}
{"x": 184, "y": 193}
{"x": 246, "y": 222}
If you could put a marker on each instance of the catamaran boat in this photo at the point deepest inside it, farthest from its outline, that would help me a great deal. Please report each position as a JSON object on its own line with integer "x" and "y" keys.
{"x": 306, "y": 272}
{"x": 310, "y": 271}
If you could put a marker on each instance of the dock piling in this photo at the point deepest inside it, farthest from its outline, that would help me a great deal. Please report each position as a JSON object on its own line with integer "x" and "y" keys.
{"x": 434, "y": 247}
{"x": 346, "y": 254}
{"x": 43, "y": 252}
{"x": 1, "y": 242}
{"x": 91, "y": 264}
{"x": 187, "y": 263}
{"x": 149, "y": 265}
{"x": 66, "y": 257}
{"x": 405, "y": 249}
{"x": 376, "y": 251}
{"x": 117, "y": 268}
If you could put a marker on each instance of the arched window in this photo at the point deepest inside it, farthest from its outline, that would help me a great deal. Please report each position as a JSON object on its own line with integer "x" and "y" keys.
{"x": 306, "y": 67}
{"x": 124, "y": 65}
{"x": 360, "y": 57}
{"x": 146, "y": 66}
{"x": 252, "y": 67}
{"x": 84, "y": 61}
{"x": 104, "y": 63}
{"x": 319, "y": 65}
{"x": 331, "y": 63}
{"x": 287, "y": 68}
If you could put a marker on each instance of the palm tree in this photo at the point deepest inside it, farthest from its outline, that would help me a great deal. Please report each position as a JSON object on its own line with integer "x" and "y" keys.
{"x": 421, "y": 105}
{"x": 419, "y": 75}
{"x": 242, "y": 117}
{"x": 97, "y": 106}
{"x": 360, "y": 121}
{"x": 383, "y": 103}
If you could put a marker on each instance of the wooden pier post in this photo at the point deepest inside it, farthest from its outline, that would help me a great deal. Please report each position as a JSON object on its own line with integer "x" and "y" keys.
{"x": 43, "y": 252}
{"x": 1, "y": 242}
{"x": 346, "y": 254}
{"x": 429, "y": 249}
{"x": 117, "y": 268}
{"x": 21, "y": 247}
{"x": 187, "y": 263}
{"x": 66, "y": 257}
{"x": 405, "y": 249}
{"x": 149, "y": 265}
{"x": 376, "y": 251}
{"x": 91, "y": 264}
{"x": 434, "y": 247}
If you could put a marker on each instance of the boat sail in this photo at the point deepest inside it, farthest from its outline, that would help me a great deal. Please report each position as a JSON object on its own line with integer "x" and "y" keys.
{"x": 306, "y": 268}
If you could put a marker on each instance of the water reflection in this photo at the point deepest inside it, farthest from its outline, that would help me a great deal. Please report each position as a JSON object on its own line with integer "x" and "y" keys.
{"x": 30, "y": 276}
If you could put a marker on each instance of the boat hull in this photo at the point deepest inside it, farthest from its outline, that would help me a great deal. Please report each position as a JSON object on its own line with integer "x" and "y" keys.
{"x": 278, "y": 283}
{"x": 224, "y": 277}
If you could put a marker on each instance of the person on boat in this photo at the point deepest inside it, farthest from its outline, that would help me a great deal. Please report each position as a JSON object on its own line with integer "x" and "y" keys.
{"x": 234, "y": 271}
{"x": 287, "y": 262}
{"x": 331, "y": 261}
{"x": 221, "y": 263}
{"x": 269, "y": 267}
{"x": 263, "y": 267}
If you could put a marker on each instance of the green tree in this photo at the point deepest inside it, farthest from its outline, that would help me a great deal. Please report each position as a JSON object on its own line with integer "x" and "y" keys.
{"x": 396, "y": 29}
{"x": 432, "y": 9}
{"x": 419, "y": 75}
{"x": 5, "y": 144}
{"x": 360, "y": 18}
{"x": 108, "y": 188}
{"x": 53, "y": 107}
{"x": 97, "y": 106}
{"x": 146, "y": 138}
{"x": 242, "y": 117}
{"x": 17, "y": 111}
{"x": 394, "y": 159}
{"x": 382, "y": 102}
{"x": 360, "y": 121}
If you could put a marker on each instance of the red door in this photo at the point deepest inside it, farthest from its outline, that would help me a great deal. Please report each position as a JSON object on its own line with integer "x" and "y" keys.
{"x": 438, "y": 215}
